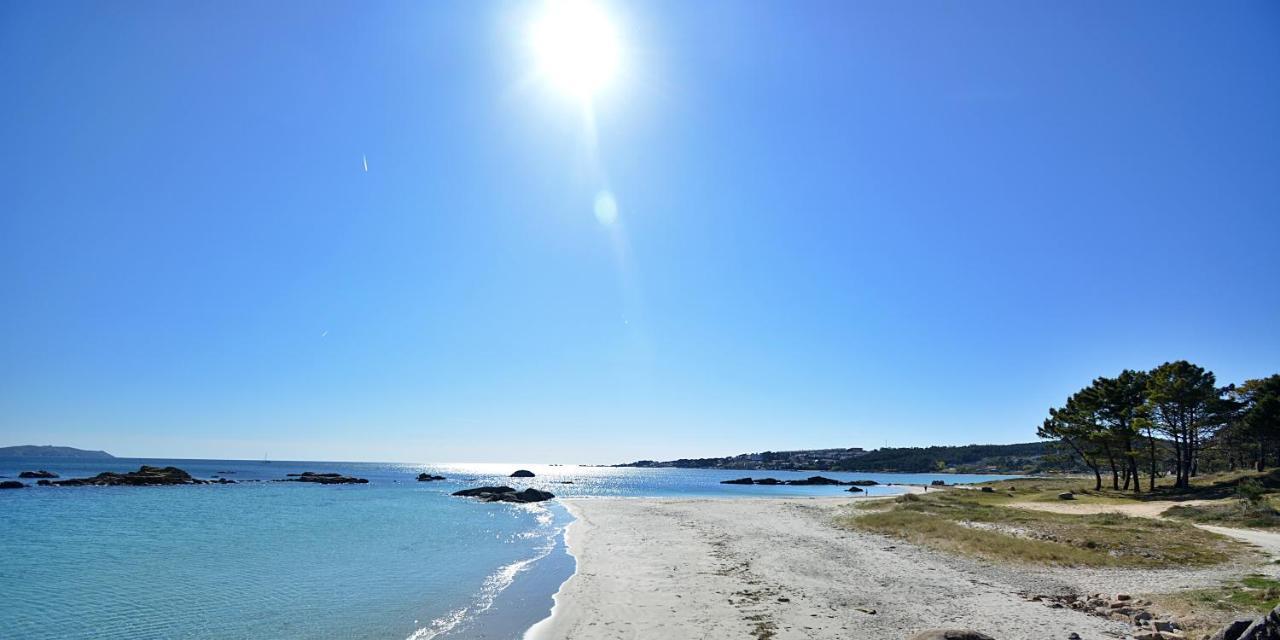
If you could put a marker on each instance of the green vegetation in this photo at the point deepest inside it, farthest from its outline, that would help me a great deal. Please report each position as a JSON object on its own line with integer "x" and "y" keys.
{"x": 978, "y": 523}
{"x": 1173, "y": 419}
{"x": 1206, "y": 610}
{"x": 1031, "y": 457}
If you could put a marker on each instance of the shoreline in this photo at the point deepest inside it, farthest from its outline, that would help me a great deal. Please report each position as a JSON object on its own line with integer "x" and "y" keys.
{"x": 779, "y": 568}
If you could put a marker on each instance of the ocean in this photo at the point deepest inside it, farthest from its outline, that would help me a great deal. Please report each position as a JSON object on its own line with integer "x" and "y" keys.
{"x": 391, "y": 559}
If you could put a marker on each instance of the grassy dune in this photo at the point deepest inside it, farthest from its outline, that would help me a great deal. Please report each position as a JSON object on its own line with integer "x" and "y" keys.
{"x": 977, "y": 523}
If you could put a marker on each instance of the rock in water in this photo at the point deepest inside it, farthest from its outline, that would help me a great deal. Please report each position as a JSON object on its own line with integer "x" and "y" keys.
{"x": 814, "y": 480}
{"x": 854, "y": 489}
{"x": 324, "y": 478}
{"x": 951, "y": 634}
{"x": 144, "y": 476}
{"x": 37, "y": 474}
{"x": 505, "y": 494}
{"x": 426, "y": 477}
{"x": 12, "y": 484}
{"x": 522, "y": 473}
{"x": 738, "y": 481}
{"x": 938, "y": 483}
{"x": 864, "y": 483}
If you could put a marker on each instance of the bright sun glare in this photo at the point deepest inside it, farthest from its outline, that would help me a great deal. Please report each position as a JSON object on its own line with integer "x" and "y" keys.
{"x": 576, "y": 46}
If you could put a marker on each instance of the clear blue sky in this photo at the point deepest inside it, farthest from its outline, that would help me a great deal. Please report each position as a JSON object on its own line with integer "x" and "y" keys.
{"x": 840, "y": 224}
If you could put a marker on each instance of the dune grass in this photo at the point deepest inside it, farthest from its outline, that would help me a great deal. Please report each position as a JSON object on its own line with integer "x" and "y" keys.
{"x": 1203, "y": 611}
{"x": 975, "y": 523}
{"x": 1240, "y": 513}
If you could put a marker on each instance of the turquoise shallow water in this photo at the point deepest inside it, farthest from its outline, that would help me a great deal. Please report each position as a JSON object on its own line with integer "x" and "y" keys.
{"x": 394, "y": 558}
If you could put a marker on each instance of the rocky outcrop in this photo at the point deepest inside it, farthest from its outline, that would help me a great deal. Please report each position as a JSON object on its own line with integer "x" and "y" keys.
{"x": 144, "y": 476}
{"x": 505, "y": 494}
{"x": 1122, "y": 607}
{"x": 854, "y": 489}
{"x": 426, "y": 477}
{"x": 951, "y": 634}
{"x": 938, "y": 483}
{"x": 864, "y": 483}
{"x": 522, "y": 473}
{"x": 1266, "y": 627}
{"x": 12, "y": 484}
{"x": 812, "y": 480}
{"x": 818, "y": 480}
{"x": 38, "y": 474}
{"x": 324, "y": 478}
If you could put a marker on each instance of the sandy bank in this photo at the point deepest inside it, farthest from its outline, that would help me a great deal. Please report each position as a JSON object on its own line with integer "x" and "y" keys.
{"x": 779, "y": 568}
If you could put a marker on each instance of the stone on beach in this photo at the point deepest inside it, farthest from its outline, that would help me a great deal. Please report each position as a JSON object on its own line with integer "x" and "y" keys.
{"x": 951, "y": 634}
{"x": 1066, "y": 495}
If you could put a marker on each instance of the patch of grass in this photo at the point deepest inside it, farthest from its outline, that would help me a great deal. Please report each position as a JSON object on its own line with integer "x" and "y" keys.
{"x": 1206, "y": 610}
{"x": 1253, "y": 515}
{"x": 1205, "y": 487}
{"x": 975, "y": 523}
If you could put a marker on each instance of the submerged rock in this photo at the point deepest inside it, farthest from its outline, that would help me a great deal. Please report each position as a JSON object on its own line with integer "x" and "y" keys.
{"x": 144, "y": 476}
{"x": 38, "y": 474}
{"x": 505, "y": 494}
{"x": 324, "y": 478}
{"x": 522, "y": 473}
{"x": 12, "y": 484}
{"x": 426, "y": 477}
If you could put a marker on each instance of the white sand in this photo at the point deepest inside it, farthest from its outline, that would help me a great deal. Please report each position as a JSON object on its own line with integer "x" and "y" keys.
{"x": 762, "y": 568}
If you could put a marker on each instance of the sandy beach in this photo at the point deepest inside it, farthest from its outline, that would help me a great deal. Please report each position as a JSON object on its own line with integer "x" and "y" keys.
{"x": 780, "y": 568}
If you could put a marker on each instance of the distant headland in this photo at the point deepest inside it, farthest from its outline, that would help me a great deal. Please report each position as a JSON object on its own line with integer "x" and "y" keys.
{"x": 1031, "y": 458}
{"x": 50, "y": 451}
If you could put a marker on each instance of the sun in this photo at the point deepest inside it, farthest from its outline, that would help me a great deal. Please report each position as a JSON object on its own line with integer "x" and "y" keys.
{"x": 576, "y": 47}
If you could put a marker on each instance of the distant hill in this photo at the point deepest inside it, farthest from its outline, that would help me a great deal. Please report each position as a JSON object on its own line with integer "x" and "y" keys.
{"x": 1030, "y": 457}
{"x": 49, "y": 451}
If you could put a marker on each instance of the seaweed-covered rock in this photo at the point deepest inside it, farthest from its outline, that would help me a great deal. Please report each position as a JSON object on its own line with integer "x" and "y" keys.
{"x": 505, "y": 494}
{"x": 819, "y": 480}
{"x": 144, "y": 476}
{"x": 324, "y": 478}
